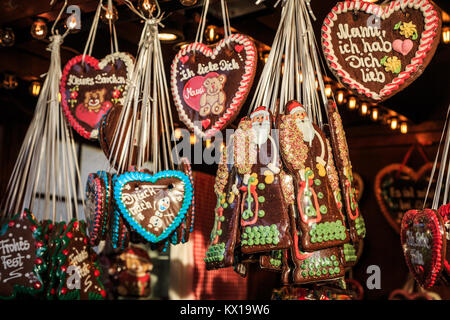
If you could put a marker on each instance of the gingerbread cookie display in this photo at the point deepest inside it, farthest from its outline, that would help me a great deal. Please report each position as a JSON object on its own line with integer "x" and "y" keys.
{"x": 22, "y": 251}
{"x": 224, "y": 234}
{"x": 378, "y": 50}
{"x": 264, "y": 216}
{"x": 89, "y": 88}
{"x": 210, "y": 84}
{"x": 345, "y": 173}
{"x": 306, "y": 155}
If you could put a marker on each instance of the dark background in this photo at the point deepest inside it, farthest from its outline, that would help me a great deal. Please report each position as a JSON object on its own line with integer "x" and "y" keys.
{"x": 372, "y": 145}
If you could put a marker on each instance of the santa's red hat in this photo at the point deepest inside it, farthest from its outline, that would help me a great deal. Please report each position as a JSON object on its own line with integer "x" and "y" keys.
{"x": 260, "y": 111}
{"x": 294, "y": 106}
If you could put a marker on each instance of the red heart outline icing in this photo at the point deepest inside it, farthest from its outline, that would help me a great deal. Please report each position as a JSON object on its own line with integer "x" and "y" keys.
{"x": 431, "y": 33}
{"x": 395, "y": 167}
{"x": 238, "y": 98}
{"x": 438, "y": 245}
{"x": 96, "y": 65}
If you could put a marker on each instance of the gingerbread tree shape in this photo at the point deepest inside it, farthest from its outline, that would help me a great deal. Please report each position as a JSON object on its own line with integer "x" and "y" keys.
{"x": 79, "y": 273}
{"x": 21, "y": 257}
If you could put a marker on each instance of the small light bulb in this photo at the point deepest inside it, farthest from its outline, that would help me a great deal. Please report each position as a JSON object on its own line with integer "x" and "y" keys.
{"x": 193, "y": 139}
{"x": 352, "y": 103}
{"x": 394, "y": 123}
{"x": 364, "y": 108}
{"x": 404, "y": 127}
{"x": 178, "y": 133}
{"x": 375, "y": 114}
{"x": 35, "y": 88}
{"x": 340, "y": 96}
{"x": 166, "y": 36}
{"x": 446, "y": 35}
{"x": 208, "y": 143}
{"x": 328, "y": 90}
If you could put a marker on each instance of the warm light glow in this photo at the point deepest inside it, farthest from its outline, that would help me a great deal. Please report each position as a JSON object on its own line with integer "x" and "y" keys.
{"x": 222, "y": 145}
{"x": 188, "y": 2}
{"x": 178, "y": 133}
{"x": 317, "y": 84}
{"x": 404, "y": 127}
{"x": 375, "y": 114}
{"x": 352, "y": 103}
{"x": 364, "y": 108}
{"x": 193, "y": 139}
{"x": 300, "y": 76}
{"x": 59, "y": 97}
{"x": 328, "y": 90}
{"x": 165, "y": 36}
{"x": 35, "y": 88}
{"x": 394, "y": 123}
{"x": 211, "y": 34}
{"x": 72, "y": 23}
{"x": 208, "y": 143}
{"x": 446, "y": 35}
{"x": 39, "y": 29}
{"x": 340, "y": 96}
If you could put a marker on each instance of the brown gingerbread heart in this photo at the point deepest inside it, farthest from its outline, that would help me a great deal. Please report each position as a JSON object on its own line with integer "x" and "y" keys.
{"x": 210, "y": 85}
{"x": 397, "y": 192}
{"x": 90, "y": 88}
{"x": 423, "y": 238}
{"x": 377, "y": 51}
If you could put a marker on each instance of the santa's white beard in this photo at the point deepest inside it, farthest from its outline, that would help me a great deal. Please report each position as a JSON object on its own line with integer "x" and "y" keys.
{"x": 307, "y": 129}
{"x": 262, "y": 132}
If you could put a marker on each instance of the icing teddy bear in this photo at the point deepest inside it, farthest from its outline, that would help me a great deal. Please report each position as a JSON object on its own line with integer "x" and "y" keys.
{"x": 93, "y": 107}
{"x": 213, "y": 100}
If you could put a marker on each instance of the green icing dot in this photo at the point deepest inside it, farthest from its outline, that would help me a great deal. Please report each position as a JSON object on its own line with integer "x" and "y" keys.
{"x": 320, "y": 195}
{"x": 225, "y": 205}
{"x": 261, "y": 199}
{"x": 317, "y": 182}
{"x": 261, "y": 186}
{"x": 323, "y": 209}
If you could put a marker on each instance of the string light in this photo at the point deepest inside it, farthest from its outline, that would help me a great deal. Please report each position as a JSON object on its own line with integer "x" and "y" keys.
{"x": 39, "y": 29}
{"x": 208, "y": 143}
{"x": 328, "y": 90}
{"x": 404, "y": 127}
{"x": 73, "y": 23}
{"x": 147, "y": 6}
{"x": 10, "y": 82}
{"x": 375, "y": 114}
{"x": 352, "y": 103}
{"x": 7, "y": 37}
{"x": 211, "y": 34}
{"x": 178, "y": 134}
{"x": 193, "y": 139}
{"x": 167, "y": 36}
{"x": 364, "y": 108}
{"x": 108, "y": 16}
{"x": 35, "y": 88}
{"x": 340, "y": 95}
{"x": 394, "y": 123}
{"x": 446, "y": 34}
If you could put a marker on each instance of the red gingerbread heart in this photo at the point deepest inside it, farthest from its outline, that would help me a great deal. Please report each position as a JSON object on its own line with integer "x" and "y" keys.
{"x": 210, "y": 85}
{"x": 360, "y": 41}
{"x": 423, "y": 238}
{"x": 90, "y": 88}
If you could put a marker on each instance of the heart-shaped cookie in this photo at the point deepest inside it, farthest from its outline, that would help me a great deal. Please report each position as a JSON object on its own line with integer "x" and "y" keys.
{"x": 153, "y": 205}
{"x": 22, "y": 262}
{"x": 210, "y": 85}
{"x": 423, "y": 238}
{"x": 377, "y": 51}
{"x": 90, "y": 88}
{"x": 398, "y": 192}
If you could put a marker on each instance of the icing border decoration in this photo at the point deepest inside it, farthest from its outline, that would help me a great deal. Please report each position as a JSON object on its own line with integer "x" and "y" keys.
{"x": 145, "y": 177}
{"x": 431, "y": 27}
{"x": 238, "y": 98}
{"x": 96, "y": 64}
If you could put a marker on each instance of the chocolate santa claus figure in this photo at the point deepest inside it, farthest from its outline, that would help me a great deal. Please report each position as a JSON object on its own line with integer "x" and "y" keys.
{"x": 264, "y": 221}
{"x": 305, "y": 152}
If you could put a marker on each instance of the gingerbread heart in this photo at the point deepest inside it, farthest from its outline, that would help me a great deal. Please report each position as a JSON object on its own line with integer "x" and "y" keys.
{"x": 153, "y": 205}
{"x": 90, "y": 88}
{"x": 22, "y": 262}
{"x": 398, "y": 188}
{"x": 423, "y": 238}
{"x": 377, "y": 51}
{"x": 210, "y": 85}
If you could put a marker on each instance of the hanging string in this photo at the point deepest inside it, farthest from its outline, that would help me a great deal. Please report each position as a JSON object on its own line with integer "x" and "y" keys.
{"x": 145, "y": 114}
{"x": 46, "y": 163}
{"x": 92, "y": 32}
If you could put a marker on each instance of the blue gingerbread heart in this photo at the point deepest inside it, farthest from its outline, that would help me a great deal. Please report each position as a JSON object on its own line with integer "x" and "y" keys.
{"x": 153, "y": 205}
